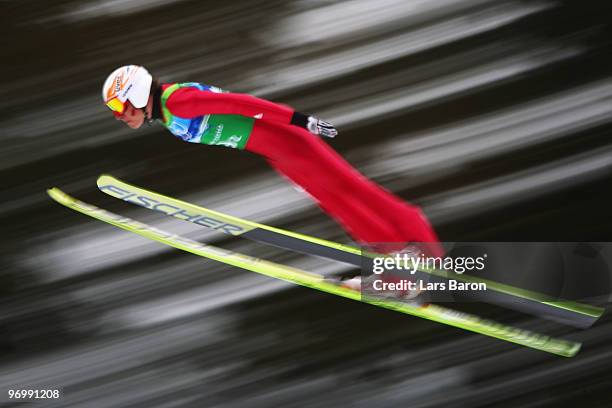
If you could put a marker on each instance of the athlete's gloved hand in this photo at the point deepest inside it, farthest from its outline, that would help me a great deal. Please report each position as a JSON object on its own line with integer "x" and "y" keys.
{"x": 320, "y": 127}
{"x": 314, "y": 125}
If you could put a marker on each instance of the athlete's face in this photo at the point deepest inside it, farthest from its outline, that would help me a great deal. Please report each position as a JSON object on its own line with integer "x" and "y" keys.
{"x": 132, "y": 116}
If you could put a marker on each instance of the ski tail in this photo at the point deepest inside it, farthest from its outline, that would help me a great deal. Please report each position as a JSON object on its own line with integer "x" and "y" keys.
{"x": 562, "y": 347}
{"x": 565, "y": 311}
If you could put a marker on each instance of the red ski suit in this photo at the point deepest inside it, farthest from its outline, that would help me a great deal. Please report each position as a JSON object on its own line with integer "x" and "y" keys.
{"x": 368, "y": 212}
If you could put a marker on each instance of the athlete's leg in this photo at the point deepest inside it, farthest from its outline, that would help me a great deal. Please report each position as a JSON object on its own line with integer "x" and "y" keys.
{"x": 366, "y": 210}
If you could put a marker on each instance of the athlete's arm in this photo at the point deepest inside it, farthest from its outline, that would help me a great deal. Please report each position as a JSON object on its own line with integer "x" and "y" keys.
{"x": 192, "y": 102}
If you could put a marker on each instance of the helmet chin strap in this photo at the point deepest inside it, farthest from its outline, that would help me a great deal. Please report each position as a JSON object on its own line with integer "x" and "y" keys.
{"x": 148, "y": 118}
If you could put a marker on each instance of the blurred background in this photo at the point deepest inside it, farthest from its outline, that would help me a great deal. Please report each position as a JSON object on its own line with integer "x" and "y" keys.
{"x": 494, "y": 115}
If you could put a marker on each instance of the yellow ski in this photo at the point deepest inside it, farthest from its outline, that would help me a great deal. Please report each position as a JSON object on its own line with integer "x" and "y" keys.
{"x": 569, "y": 312}
{"x": 431, "y": 312}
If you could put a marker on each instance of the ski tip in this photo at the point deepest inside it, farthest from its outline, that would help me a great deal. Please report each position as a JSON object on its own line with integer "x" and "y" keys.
{"x": 58, "y": 195}
{"x": 103, "y": 178}
{"x": 53, "y": 192}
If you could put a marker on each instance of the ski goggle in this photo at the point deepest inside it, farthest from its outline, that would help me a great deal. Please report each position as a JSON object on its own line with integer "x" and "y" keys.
{"x": 116, "y": 106}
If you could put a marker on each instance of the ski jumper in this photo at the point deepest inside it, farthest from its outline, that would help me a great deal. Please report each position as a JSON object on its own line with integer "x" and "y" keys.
{"x": 200, "y": 113}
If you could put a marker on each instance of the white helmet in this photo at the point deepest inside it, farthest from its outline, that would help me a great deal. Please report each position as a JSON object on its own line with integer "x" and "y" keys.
{"x": 130, "y": 82}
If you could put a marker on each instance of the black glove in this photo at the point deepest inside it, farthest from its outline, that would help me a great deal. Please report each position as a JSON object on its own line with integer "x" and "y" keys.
{"x": 314, "y": 125}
